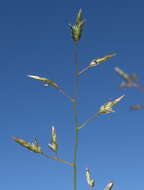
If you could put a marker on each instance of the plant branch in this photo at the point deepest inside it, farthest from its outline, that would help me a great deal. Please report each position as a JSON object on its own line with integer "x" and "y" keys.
{"x": 65, "y": 94}
{"x": 89, "y": 120}
{"x": 83, "y": 70}
{"x": 56, "y": 158}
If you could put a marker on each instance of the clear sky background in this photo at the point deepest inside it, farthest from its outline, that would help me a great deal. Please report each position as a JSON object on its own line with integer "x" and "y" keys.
{"x": 35, "y": 39}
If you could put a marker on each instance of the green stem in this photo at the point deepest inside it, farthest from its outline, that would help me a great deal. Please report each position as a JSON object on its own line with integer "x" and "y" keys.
{"x": 56, "y": 158}
{"x": 83, "y": 70}
{"x": 75, "y": 116}
{"x": 75, "y": 158}
{"x": 65, "y": 94}
{"x": 89, "y": 120}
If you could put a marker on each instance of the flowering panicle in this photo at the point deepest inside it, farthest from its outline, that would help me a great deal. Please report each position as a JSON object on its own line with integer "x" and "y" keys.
{"x": 77, "y": 28}
{"x": 107, "y": 108}
{"x": 53, "y": 145}
{"x": 76, "y": 32}
{"x": 90, "y": 181}
{"x": 34, "y": 146}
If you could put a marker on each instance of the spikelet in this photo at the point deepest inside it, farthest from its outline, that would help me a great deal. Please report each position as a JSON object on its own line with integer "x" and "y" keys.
{"x": 34, "y": 146}
{"x": 90, "y": 181}
{"x": 53, "y": 145}
{"x": 77, "y": 28}
{"x": 107, "y": 108}
{"x": 98, "y": 61}
{"x": 45, "y": 80}
{"x": 109, "y": 186}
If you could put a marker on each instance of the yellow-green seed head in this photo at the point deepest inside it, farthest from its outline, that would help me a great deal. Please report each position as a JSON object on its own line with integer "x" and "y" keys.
{"x": 34, "y": 147}
{"x": 98, "y": 61}
{"x": 45, "y": 80}
{"x": 109, "y": 186}
{"x": 77, "y": 28}
{"x": 54, "y": 138}
{"x": 53, "y": 145}
{"x": 107, "y": 108}
{"x": 90, "y": 181}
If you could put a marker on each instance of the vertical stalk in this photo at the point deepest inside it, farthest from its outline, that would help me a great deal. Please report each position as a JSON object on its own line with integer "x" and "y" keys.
{"x": 75, "y": 115}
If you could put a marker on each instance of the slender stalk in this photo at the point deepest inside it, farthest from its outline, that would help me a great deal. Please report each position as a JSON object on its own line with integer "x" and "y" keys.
{"x": 75, "y": 158}
{"x": 63, "y": 93}
{"x": 89, "y": 120}
{"x": 75, "y": 115}
{"x": 83, "y": 70}
{"x": 56, "y": 158}
{"x": 66, "y": 95}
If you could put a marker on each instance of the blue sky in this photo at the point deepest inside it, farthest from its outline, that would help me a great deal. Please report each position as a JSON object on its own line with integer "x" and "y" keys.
{"x": 35, "y": 39}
